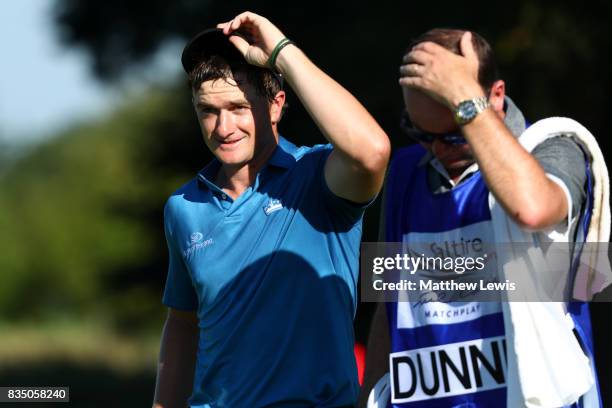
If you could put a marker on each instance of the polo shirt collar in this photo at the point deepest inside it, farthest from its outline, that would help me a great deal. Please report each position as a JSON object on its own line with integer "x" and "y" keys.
{"x": 283, "y": 157}
{"x": 284, "y": 154}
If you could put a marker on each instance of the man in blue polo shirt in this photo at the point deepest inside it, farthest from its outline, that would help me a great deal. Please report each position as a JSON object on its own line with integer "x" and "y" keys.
{"x": 264, "y": 242}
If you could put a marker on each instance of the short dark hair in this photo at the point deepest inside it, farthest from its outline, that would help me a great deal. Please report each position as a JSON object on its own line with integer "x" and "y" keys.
{"x": 215, "y": 67}
{"x": 450, "y": 39}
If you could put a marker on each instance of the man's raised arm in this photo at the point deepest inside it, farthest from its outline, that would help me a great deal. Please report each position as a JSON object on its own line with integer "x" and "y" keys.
{"x": 355, "y": 170}
{"x": 513, "y": 175}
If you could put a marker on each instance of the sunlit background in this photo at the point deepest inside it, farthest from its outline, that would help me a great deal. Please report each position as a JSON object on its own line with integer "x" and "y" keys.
{"x": 96, "y": 130}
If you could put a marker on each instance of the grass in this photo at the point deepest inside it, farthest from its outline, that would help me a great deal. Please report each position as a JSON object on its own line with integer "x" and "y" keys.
{"x": 101, "y": 367}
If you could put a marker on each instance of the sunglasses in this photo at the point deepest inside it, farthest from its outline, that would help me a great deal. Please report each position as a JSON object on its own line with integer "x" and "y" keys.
{"x": 427, "y": 137}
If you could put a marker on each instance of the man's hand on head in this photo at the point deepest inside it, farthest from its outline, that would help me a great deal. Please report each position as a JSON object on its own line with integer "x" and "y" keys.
{"x": 445, "y": 76}
{"x": 355, "y": 169}
{"x": 253, "y": 35}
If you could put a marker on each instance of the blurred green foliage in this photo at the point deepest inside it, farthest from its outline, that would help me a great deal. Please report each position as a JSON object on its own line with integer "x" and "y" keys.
{"x": 80, "y": 217}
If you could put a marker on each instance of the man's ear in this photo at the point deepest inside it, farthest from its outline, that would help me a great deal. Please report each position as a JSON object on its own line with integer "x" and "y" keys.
{"x": 276, "y": 107}
{"x": 496, "y": 96}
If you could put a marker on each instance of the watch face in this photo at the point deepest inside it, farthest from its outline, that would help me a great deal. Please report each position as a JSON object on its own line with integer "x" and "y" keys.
{"x": 467, "y": 110}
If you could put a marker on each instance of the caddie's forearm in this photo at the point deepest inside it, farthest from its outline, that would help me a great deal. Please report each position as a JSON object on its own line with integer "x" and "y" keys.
{"x": 513, "y": 175}
{"x": 341, "y": 118}
{"x": 176, "y": 364}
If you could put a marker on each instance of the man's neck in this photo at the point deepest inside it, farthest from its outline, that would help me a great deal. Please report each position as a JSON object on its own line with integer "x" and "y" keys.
{"x": 234, "y": 180}
{"x": 455, "y": 174}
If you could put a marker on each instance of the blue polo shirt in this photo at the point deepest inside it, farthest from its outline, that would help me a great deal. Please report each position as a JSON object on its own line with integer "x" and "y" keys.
{"x": 273, "y": 278}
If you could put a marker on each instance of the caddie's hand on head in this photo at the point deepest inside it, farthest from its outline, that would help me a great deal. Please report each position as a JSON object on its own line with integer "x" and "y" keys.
{"x": 253, "y": 35}
{"x": 443, "y": 75}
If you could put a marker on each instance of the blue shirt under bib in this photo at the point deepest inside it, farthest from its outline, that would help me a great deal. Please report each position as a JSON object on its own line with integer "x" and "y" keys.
{"x": 273, "y": 278}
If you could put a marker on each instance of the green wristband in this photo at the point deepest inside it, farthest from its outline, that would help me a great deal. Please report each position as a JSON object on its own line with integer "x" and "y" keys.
{"x": 281, "y": 44}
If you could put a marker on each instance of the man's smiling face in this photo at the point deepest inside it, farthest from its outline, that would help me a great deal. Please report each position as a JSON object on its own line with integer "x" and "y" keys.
{"x": 234, "y": 119}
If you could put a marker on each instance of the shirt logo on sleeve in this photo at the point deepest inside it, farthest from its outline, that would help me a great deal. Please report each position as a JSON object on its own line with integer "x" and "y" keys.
{"x": 272, "y": 206}
{"x": 196, "y": 241}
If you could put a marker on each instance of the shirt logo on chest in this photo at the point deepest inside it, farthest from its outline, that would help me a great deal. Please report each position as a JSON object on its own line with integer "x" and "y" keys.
{"x": 196, "y": 241}
{"x": 272, "y": 206}
{"x": 196, "y": 237}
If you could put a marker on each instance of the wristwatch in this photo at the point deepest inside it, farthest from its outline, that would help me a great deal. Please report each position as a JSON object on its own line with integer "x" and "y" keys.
{"x": 467, "y": 110}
